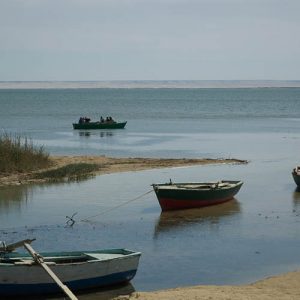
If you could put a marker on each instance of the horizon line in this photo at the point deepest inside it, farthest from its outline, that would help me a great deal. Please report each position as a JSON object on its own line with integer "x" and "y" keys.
{"x": 131, "y": 84}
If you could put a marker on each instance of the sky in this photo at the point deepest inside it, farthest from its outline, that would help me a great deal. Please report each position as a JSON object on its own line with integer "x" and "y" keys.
{"x": 70, "y": 40}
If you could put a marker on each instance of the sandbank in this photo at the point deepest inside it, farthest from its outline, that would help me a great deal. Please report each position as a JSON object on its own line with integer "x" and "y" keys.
{"x": 113, "y": 165}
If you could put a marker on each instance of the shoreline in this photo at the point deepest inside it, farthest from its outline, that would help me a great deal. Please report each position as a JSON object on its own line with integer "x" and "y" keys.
{"x": 110, "y": 165}
{"x": 280, "y": 287}
{"x": 284, "y": 286}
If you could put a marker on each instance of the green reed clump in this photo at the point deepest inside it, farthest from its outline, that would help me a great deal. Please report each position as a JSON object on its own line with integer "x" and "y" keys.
{"x": 69, "y": 172}
{"x": 18, "y": 154}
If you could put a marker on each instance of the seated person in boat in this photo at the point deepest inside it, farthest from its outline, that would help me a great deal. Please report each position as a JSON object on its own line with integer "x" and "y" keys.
{"x": 297, "y": 170}
{"x": 83, "y": 120}
{"x": 110, "y": 120}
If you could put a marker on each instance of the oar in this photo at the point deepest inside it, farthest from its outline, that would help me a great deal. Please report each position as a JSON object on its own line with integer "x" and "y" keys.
{"x": 12, "y": 247}
{"x": 39, "y": 259}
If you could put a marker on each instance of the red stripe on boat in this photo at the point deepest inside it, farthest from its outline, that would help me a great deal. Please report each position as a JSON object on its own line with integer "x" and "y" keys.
{"x": 173, "y": 204}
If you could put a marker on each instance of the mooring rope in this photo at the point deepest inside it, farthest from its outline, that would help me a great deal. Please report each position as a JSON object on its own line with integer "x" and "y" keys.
{"x": 115, "y": 207}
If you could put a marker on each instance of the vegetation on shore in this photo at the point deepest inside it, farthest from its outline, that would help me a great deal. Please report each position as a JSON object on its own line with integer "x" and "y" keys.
{"x": 19, "y": 155}
{"x": 22, "y": 163}
{"x": 69, "y": 172}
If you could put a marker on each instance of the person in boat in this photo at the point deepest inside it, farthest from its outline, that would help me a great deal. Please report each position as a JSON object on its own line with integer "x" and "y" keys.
{"x": 110, "y": 120}
{"x": 297, "y": 170}
{"x": 81, "y": 120}
{"x": 101, "y": 119}
{"x": 87, "y": 120}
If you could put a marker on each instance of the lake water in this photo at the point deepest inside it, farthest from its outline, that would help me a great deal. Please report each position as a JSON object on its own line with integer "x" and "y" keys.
{"x": 241, "y": 241}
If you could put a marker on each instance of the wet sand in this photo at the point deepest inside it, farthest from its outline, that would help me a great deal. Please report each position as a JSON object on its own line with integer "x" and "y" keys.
{"x": 285, "y": 286}
{"x": 112, "y": 165}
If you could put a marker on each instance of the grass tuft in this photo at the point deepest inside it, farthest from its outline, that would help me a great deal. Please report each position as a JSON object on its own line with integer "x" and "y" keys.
{"x": 18, "y": 154}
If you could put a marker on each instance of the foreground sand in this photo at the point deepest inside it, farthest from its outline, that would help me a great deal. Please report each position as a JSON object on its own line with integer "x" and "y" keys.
{"x": 113, "y": 165}
{"x": 285, "y": 286}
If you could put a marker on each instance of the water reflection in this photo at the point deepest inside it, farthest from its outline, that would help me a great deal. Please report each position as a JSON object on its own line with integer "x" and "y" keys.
{"x": 172, "y": 220}
{"x": 102, "y": 133}
{"x": 297, "y": 193}
{"x": 85, "y": 133}
{"x": 296, "y": 197}
{"x": 99, "y": 294}
{"x": 12, "y": 197}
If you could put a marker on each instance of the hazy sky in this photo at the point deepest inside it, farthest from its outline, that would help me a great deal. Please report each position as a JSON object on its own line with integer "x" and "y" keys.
{"x": 149, "y": 39}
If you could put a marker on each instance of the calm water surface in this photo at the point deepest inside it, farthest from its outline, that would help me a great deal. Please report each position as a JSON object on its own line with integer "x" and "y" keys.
{"x": 253, "y": 236}
{"x": 161, "y": 122}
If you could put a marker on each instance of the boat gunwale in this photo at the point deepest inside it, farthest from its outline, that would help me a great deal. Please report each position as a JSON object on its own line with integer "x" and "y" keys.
{"x": 57, "y": 258}
{"x": 205, "y": 186}
{"x": 99, "y": 123}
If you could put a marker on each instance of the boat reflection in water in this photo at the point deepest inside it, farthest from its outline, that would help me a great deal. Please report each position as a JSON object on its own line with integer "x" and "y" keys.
{"x": 296, "y": 197}
{"x": 102, "y": 134}
{"x": 181, "y": 219}
{"x": 297, "y": 193}
{"x": 118, "y": 291}
{"x": 108, "y": 293}
{"x": 84, "y": 133}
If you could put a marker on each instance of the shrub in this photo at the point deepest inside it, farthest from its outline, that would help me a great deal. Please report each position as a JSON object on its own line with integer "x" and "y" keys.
{"x": 18, "y": 154}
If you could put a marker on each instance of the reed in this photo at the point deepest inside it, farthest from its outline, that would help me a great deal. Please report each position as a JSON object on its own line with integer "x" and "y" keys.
{"x": 18, "y": 154}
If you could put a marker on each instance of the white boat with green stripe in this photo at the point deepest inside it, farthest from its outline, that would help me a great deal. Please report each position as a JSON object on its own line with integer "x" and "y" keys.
{"x": 20, "y": 274}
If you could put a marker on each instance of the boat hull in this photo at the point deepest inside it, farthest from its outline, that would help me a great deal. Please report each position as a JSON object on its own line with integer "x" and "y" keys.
{"x": 296, "y": 178}
{"x": 19, "y": 289}
{"x": 20, "y": 280}
{"x": 173, "y": 199}
{"x": 98, "y": 125}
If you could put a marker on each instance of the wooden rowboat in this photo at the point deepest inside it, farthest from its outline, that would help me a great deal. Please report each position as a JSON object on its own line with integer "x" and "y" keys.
{"x": 21, "y": 275}
{"x": 296, "y": 175}
{"x": 100, "y": 125}
{"x": 173, "y": 196}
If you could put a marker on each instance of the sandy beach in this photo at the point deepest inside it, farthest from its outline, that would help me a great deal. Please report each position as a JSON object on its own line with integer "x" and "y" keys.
{"x": 113, "y": 165}
{"x": 285, "y": 286}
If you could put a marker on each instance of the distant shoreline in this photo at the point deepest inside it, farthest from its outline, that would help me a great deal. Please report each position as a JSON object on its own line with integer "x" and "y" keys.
{"x": 150, "y": 84}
